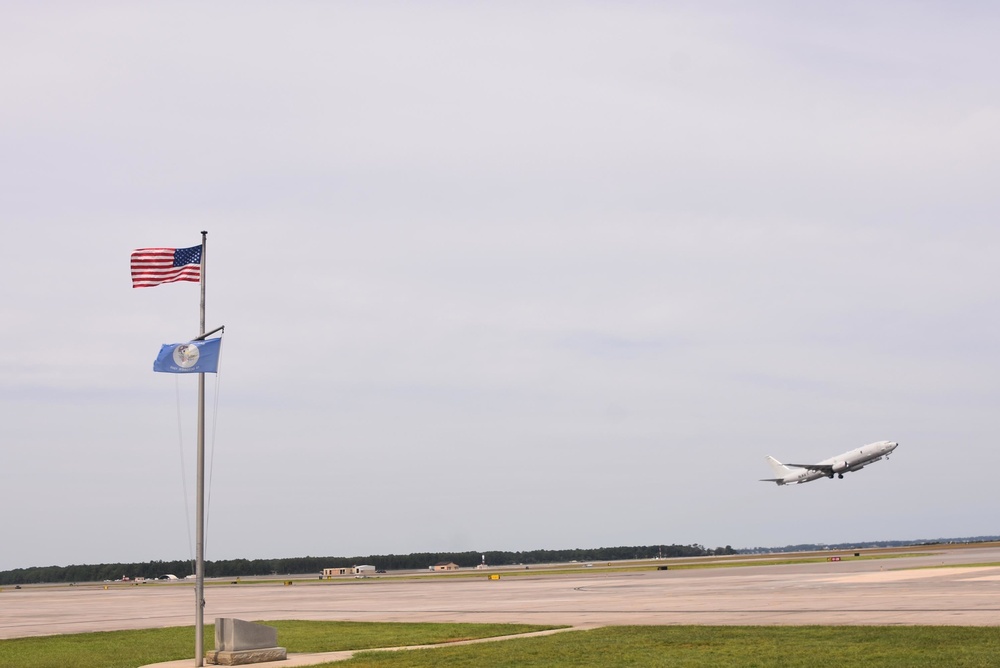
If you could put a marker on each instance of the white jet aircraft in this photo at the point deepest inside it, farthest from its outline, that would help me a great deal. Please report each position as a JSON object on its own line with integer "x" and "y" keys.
{"x": 855, "y": 460}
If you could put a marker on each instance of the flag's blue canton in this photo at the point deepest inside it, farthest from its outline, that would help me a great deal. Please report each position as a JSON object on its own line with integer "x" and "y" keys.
{"x": 183, "y": 256}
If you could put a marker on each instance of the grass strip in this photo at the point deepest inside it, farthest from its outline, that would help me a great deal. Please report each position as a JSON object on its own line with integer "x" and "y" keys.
{"x": 637, "y": 568}
{"x": 130, "y": 649}
{"x": 627, "y": 646}
{"x": 713, "y": 646}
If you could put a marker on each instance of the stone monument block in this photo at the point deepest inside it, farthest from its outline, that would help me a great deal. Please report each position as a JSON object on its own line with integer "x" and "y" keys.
{"x": 239, "y": 643}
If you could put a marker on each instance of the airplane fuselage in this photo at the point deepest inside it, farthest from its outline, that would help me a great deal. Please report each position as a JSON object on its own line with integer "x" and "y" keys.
{"x": 852, "y": 460}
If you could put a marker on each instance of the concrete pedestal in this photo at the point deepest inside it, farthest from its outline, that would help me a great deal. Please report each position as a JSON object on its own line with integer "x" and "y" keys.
{"x": 245, "y": 656}
{"x": 239, "y": 643}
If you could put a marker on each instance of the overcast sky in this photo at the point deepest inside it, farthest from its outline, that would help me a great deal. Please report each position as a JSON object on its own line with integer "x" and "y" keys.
{"x": 498, "y": 276}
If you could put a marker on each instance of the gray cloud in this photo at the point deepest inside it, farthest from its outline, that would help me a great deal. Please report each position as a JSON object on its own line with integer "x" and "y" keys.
{"x": 498, "y": 277}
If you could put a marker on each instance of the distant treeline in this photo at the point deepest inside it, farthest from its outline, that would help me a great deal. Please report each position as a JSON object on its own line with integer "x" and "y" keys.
{"x": 812, "y": 547}
{"x": 231, "y": 568}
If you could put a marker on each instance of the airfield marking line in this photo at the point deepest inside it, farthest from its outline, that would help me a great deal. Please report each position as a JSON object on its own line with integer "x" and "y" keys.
{"x": 894, "y": 576}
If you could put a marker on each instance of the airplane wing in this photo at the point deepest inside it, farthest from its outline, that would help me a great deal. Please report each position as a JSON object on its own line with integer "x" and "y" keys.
{"x": 826, "y": 468}
{"x": 771, "y": 479}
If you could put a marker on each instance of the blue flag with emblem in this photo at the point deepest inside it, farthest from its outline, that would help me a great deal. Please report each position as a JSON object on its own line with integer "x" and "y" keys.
{"x": 190, "y": 357}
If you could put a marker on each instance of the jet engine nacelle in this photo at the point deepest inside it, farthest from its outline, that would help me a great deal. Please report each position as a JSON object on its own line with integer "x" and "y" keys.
{"x": 840, "y": 467}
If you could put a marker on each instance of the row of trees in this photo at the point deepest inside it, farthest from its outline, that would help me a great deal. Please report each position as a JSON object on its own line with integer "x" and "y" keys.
{"x": 811, "y": 547}
{"x": 231, "y": 568}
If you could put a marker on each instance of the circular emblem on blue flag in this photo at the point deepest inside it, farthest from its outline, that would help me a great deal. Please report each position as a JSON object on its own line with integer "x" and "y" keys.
{"x": 186, "y": 355}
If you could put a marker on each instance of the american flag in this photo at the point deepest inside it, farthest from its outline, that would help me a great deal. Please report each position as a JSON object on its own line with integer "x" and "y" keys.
{"x": 152, "y": 266}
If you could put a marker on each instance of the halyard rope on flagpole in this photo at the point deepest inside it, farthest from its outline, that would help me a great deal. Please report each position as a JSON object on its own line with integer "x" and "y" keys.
{"x": 211, "y": 447}
{"x": 184, "y": 490}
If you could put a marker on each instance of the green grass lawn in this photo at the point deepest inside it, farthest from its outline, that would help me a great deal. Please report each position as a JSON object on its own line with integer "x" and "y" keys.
{"x": 714, "y": 646}
{"x": 675, "y": 646}
{"x": 130, "y": 649}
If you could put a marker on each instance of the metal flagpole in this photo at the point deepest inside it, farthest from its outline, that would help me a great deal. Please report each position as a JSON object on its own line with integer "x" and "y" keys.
{"x": 199, "y": 568}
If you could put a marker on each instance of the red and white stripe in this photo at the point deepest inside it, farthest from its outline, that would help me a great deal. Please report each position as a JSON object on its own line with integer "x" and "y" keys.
{"x": 153, "y": 266}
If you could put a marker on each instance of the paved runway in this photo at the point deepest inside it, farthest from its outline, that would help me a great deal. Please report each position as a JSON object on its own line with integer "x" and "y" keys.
{"x": 884, "y": 591}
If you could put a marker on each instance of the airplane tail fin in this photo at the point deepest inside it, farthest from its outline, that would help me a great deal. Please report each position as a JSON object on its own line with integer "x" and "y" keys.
{"x": 779, "y": 469}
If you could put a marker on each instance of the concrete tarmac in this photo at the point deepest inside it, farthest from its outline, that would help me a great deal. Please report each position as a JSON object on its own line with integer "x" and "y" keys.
{"x": 882, "y": 591}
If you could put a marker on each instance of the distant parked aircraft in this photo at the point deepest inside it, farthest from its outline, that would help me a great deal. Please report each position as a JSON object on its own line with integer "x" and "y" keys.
{"x": 853, "y": 460}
